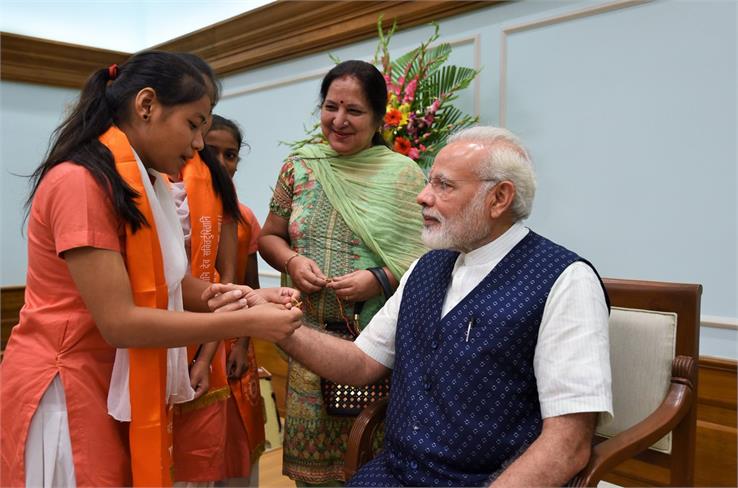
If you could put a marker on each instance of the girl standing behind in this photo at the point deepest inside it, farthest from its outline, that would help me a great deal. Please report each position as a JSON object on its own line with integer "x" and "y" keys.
{"x": 245, "y": 415}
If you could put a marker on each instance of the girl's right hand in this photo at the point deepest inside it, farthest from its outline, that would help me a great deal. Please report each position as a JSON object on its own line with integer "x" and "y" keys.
{"x": 306, "y": 274}
{"x": 271, "y": 322}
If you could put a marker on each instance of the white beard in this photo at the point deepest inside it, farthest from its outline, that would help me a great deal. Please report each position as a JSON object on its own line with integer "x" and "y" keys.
{"x": 459, "y": 233}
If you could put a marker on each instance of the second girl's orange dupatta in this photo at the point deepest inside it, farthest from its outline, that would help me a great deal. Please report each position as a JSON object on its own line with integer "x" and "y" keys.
{"x": 150, "y": 429}
{"x": 206, "y": 217}
{"x": 206, "y": 211}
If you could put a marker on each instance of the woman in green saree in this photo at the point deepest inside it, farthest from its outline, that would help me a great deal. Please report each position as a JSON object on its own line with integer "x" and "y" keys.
{"x": 338, "y": 209}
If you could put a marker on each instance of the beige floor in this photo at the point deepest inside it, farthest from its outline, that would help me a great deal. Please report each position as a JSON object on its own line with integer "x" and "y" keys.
{"x": 270, "y": 471}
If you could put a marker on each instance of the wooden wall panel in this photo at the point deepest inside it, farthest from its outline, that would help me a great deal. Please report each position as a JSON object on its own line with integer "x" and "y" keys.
{"x": 269, "y": 357}
{"x": 270, "y": 34}
{"x": 54, "y": 63}
{"x": 11, "y": 301}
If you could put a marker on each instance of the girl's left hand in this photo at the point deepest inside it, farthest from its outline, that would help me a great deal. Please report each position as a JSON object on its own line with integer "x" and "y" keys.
{"x": 238, "y": 359}
{"x": 357, "y": 286}
{"x": 200, "y": 377}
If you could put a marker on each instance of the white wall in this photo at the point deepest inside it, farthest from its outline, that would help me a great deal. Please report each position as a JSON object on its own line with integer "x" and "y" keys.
{"x": 28, "y": 115}
{"x": 630, "y": 115}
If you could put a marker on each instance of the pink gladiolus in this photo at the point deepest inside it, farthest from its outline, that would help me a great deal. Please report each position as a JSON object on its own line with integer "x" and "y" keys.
{"x": 434, "y": 106}
{"x": 413, "y": 153}
{"x": 410, "y": 91}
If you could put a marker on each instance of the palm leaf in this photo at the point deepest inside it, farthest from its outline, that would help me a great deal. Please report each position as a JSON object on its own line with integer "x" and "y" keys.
{"x": 422, "y": 63}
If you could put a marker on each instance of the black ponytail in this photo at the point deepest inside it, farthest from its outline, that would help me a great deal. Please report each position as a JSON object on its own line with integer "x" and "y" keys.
{"x": 106, "y": 100}
{"x": 222, "y": 185}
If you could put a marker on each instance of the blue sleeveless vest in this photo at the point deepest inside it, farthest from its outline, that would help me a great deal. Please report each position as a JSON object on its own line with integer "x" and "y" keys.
{"x": 464, "y": 400}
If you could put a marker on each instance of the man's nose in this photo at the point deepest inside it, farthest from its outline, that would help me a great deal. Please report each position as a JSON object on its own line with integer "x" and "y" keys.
{"x": 425, "y": 197}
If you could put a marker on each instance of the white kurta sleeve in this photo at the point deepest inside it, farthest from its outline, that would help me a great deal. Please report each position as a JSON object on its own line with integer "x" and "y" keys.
{"x": 572, "y": 357}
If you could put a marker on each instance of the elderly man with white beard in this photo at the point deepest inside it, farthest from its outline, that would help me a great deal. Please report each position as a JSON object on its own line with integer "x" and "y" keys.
{"x": 497, "y": 339}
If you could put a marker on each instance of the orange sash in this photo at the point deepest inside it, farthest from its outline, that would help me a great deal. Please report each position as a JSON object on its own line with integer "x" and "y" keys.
{"x": 244, "y": 239}
{"x": 247, "y": 394}
{"x": 206, "y": 217}
{"x": 150, "y": 429}
{"x": 246, "y": 389}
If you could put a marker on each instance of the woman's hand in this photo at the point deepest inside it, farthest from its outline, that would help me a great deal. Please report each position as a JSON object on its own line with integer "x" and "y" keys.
{"x": 238, "y": 360}
{"x": 200, "y": 377}
{"x": 357, "y": 286}
{"x": 305, "y": 274}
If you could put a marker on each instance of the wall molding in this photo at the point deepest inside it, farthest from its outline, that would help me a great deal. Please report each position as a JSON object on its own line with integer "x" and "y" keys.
{"x": 273, "y": 33}
{"x": 535, "y": 24}
{"x": 717, "y": 322}
{"x": 317, "y": 74}
{"x": 32, "y": 60}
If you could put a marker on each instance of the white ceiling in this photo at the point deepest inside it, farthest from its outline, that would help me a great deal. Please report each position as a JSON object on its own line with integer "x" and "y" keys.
{"x": 120, "y": 25}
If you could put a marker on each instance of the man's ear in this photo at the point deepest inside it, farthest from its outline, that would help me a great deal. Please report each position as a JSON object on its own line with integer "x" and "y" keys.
{"x": 145, "y": 103}
{"x": 500, "y": 198}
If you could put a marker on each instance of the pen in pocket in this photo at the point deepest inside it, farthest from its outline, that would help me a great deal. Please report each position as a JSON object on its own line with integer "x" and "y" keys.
{"x": 468, "y": 329}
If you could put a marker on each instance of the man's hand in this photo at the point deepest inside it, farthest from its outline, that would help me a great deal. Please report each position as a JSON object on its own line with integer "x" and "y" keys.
{"x": 288, "y": 297}
{"x": 227, "y": 297}
{"x": 556, "y": 456}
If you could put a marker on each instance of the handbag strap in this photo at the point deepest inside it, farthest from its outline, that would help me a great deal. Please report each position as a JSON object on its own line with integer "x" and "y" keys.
{"x": 381, "y": 276}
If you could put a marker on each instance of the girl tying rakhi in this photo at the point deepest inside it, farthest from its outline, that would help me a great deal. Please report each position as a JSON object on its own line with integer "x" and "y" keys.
{"x": 107, "y": 270}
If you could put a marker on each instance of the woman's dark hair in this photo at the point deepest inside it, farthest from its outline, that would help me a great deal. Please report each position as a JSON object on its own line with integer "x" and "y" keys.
{"x": 106, "y": 100}
{"x": 372, "y": 84}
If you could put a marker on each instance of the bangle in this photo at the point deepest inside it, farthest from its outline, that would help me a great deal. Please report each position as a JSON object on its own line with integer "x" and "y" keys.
{"x": 287, "y": 262}
{"x": 381, "y": 276}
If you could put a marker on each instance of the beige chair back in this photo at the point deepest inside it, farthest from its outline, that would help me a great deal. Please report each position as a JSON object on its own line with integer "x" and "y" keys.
{"x": 642, "y": 348}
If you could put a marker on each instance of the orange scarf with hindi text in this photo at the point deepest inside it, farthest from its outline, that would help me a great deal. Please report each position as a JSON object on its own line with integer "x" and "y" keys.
{"x": 150, "y": 430}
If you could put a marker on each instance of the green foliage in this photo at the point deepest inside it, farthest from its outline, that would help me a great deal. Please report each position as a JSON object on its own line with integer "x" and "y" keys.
{"x": 420, "y": 89}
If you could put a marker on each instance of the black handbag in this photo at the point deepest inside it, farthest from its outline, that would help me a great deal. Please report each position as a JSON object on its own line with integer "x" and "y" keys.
{"x": 346, "y": 400}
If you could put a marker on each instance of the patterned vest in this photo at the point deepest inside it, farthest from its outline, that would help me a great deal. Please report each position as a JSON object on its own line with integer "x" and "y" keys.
{"x": 464, "y": 400}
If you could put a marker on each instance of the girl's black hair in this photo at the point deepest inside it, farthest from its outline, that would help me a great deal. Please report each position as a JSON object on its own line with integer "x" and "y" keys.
{"x": 222, "y": 183}
{"x": 372, "y": 84}
{"x": 221, "y": 123}
{"x": 104, "y": 102}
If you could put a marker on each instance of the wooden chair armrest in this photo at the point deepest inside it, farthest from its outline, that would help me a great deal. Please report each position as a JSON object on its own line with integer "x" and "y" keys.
{"x": 359, "y": 450}
{"x": 677, "y": 403}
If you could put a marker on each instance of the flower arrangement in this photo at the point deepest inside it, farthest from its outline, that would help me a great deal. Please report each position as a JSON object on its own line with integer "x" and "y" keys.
{"x": 420, "y": 89}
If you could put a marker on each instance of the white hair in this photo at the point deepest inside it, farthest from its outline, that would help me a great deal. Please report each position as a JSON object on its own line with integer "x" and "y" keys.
{"x": 507, "y": 160}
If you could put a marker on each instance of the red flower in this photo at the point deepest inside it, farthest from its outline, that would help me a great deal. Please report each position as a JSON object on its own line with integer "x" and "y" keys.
{"x": 393, "y": 117}
{"x": 402, "y": 146}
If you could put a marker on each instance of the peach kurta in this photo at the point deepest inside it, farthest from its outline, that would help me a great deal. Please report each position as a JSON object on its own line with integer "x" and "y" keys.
{"x": 56, "y": 334}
